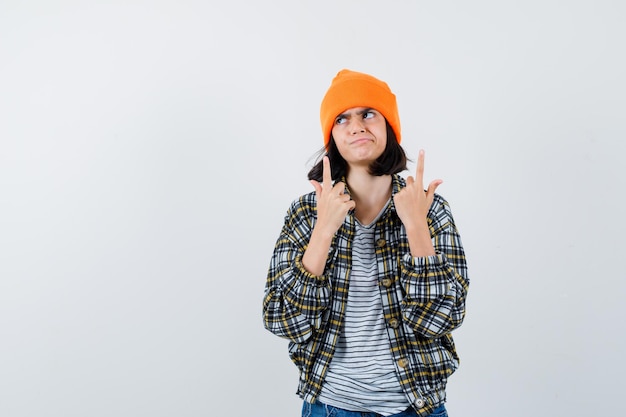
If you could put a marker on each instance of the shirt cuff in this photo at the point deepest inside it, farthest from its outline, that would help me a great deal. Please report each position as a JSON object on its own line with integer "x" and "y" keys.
{"x": 420, "y": 262}
{"x": 304, "y": 274}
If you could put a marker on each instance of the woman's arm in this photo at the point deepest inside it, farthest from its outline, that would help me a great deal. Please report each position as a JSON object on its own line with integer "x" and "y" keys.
{"x": 295, "y": 299}
{"x": 436, "y": 285}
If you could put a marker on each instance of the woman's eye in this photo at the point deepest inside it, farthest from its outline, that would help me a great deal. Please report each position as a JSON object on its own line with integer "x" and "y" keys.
{"x": 340, "y": 120}
{"x": 368, "y": 114}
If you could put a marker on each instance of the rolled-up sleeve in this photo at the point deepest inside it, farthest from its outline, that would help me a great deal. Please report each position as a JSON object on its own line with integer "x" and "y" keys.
{"x": 295, "y": 300}
{"x": 436, "y": 286}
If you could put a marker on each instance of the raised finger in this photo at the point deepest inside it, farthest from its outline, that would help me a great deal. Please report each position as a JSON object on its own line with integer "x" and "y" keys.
{"x": 327, "y": 180}
{"x": 419, "y": 172}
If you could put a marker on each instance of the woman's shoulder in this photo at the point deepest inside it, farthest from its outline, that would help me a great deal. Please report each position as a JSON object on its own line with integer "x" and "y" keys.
{"x": 303, "y": 204}
{"x": 439, "y": 200}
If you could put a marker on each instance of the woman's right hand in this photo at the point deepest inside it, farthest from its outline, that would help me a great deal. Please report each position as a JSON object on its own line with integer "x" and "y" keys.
{"x": 333, "y": 204}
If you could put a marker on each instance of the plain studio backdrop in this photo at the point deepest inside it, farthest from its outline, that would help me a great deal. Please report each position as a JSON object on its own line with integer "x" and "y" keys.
{"x": 149, "y": 151}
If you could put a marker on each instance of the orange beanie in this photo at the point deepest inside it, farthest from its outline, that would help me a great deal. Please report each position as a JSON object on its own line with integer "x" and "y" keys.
{"x": 356, "y": 89}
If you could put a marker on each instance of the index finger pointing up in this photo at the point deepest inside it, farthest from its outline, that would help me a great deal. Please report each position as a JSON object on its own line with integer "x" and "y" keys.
{"x": 419, "y": 172}
{"x": 327, "y": 179}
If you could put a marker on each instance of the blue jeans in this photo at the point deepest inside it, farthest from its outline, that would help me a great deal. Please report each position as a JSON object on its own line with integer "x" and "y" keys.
{"x": 322, "y": 410}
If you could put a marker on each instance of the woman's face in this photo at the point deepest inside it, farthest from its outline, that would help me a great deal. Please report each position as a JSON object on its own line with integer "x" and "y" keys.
{"x": 361, "y": 135}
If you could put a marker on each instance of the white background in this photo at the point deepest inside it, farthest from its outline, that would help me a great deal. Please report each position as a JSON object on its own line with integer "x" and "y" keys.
{"x": 150, "y": 149}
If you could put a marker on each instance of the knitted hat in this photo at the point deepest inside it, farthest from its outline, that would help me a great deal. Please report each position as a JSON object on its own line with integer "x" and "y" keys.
{"x": 356, "y": 89}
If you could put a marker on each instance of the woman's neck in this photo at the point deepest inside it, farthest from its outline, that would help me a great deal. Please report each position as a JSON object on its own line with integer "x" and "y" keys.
{"x": 369, "y": 192}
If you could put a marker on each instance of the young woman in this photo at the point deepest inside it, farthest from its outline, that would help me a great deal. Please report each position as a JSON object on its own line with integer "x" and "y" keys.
{"x": 368, "y": 276}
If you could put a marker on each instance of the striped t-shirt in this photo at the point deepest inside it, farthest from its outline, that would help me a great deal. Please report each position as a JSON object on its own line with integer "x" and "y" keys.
{"x": 361, "y": 376}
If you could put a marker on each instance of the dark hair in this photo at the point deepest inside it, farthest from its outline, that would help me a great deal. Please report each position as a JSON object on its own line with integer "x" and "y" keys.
{"x": 392, "y": 161}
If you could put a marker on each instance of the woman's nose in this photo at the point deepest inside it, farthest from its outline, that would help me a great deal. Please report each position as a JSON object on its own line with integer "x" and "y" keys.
{"x": 356, "y": 125}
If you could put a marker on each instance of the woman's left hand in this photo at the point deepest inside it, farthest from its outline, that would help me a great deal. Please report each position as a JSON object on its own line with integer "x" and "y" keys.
{"x": 412, "y": 202}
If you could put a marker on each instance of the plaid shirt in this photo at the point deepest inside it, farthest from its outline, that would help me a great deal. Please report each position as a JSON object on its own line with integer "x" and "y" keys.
{"x": 423, "y": 298}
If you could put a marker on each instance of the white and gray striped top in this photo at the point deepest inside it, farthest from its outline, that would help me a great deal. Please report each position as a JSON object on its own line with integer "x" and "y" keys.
{"x": 361, "y": 376}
